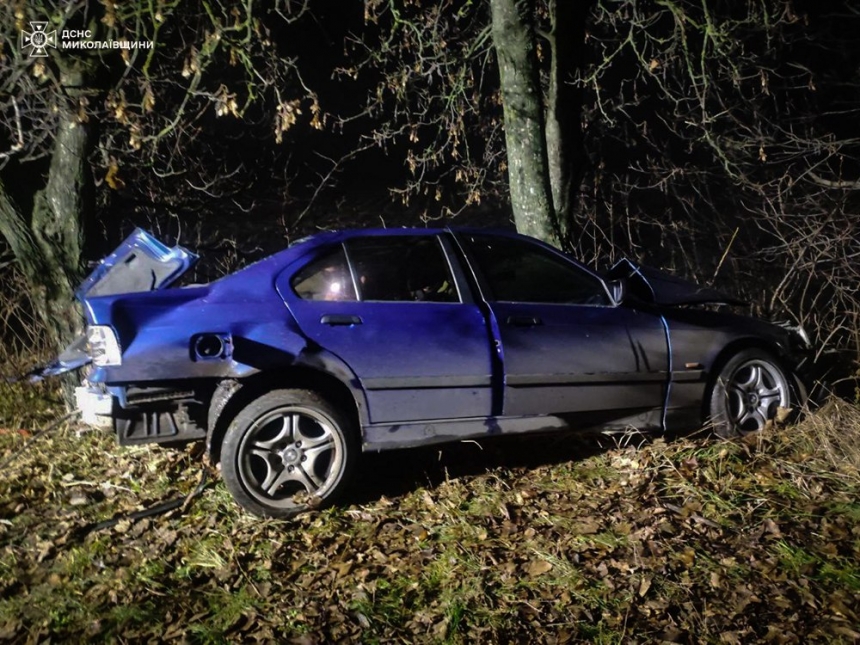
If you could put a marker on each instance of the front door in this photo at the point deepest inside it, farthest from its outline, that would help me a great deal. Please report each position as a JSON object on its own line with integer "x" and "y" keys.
{"x": 566, "y": 347}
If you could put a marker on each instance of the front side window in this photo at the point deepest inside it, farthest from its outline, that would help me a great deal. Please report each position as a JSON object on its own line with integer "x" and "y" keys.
{"x": 401, "y": 269}
{"x": 518, "y": 271}
{"x": 326, "y": 278}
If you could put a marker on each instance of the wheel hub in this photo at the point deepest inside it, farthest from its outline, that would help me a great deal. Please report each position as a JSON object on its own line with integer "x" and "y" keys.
{"x": 752, "y": 399}
{"x": 291, "y": 456}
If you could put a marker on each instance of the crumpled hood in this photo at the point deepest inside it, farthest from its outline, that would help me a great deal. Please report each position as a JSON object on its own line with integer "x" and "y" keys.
{"x": 660, "y": 288}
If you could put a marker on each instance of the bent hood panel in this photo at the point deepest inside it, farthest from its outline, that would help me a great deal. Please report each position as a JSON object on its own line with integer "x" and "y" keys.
{"x": 661, "y": 288}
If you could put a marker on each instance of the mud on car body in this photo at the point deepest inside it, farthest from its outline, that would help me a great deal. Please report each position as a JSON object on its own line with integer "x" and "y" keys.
{"x": 381, "y": 339}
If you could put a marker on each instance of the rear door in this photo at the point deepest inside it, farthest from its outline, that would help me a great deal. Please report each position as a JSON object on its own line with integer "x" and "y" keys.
{"x": 566, "y": 347}
{"x": 398, "y": 312}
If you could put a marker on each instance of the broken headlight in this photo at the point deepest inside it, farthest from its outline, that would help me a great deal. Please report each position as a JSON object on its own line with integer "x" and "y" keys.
{"x": 798, "y": 332}
{"x": 801, "y": 332}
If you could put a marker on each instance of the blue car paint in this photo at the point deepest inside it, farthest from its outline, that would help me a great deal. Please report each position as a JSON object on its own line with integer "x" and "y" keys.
{"x": 453, "y": 376}
{"x": 139, "y": 263}
{"x": 546, "y": 368}
{"x": 155, "y": 328}
{"x": 423, "y": 372}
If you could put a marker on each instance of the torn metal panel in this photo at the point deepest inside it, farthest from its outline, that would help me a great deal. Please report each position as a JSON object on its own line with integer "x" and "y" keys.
{"x": 71, "y": 358}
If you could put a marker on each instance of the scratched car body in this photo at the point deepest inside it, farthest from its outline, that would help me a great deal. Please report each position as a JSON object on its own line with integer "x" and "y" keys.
{"x": 372, "y": 340}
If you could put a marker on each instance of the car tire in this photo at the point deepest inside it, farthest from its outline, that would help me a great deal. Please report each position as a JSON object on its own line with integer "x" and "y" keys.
{"x": 748, "y": 391}
{"x": 287, "y": 452}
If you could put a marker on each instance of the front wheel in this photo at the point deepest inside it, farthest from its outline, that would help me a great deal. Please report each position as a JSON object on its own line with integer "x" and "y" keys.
{"x": 287, "y": 452}
{"x": 747, "y": 393}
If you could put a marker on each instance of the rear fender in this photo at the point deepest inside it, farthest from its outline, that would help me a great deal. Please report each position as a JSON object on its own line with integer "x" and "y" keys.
{"x": 316, "y": 370}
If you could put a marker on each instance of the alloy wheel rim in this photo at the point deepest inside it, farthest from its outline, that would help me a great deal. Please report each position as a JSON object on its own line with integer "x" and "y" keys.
{"x": 290, "y": 457}
{"x": 754, "y": 392}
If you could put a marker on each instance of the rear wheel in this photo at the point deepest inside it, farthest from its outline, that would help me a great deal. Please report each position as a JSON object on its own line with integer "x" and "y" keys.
{"x": 287, "y": 452}
{"x": 747, "y": 393}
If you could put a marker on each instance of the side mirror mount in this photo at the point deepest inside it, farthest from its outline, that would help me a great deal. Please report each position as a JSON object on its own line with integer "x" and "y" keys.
{"x": 618, "y": 289}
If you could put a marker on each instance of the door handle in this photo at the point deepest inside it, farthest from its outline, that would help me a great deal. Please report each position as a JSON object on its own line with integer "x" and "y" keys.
{"x": 524, "y": 321}
{"x": 336, "y": 320}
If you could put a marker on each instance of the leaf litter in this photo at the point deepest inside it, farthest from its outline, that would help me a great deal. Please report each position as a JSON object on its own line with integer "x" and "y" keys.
{"x": 547, "y": 540}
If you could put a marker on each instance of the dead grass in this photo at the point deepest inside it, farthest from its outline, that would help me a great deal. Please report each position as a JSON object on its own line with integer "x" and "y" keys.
{"x": 828, "y": 440}
{"x": 23, "y": 339}
{"x": 540, "y": 540}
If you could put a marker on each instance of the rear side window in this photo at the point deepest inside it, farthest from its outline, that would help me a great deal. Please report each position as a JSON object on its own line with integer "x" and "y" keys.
{"x": 518, "y": 271}
{"x": 326, "y": 278}
{"x": 401, "y": 269}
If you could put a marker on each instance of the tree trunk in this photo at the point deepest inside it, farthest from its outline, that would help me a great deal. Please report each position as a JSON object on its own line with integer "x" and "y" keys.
{"x": 514, "y": 41}
{"x": 47, "y": 242}
{"x": 564, "y": 110}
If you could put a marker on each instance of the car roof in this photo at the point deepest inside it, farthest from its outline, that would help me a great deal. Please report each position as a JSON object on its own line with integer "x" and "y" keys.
{"x": 305, "y": 246}
{"x": 325, "y": 237}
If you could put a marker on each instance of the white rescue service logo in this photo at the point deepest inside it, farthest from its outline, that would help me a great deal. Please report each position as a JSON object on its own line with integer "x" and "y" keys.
{"x": 39, "y": 39}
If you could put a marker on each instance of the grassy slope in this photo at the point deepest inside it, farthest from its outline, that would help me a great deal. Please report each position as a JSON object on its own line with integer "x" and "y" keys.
{"x": 550, "y": 540}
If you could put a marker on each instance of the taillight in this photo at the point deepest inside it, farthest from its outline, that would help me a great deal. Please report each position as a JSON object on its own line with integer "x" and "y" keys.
{"x": 103, "y": 346}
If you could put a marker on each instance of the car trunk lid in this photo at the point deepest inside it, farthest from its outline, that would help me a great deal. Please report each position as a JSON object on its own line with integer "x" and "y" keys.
{"x": 140, "y": 263}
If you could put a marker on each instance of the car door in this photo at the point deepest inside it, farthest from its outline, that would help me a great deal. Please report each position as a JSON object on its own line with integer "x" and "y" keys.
{"x": 393, "y": 309}
{"x": 566, "y": 347}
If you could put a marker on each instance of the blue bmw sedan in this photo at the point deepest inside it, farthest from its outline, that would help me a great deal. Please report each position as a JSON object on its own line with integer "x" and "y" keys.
{"x": 370, "y": 340}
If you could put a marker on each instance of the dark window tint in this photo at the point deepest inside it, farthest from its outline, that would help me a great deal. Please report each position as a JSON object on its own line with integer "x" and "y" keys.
{"x": 518, "y": 271}
{"x": 326, "y": 278}
{"x": 401, "y": 268}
